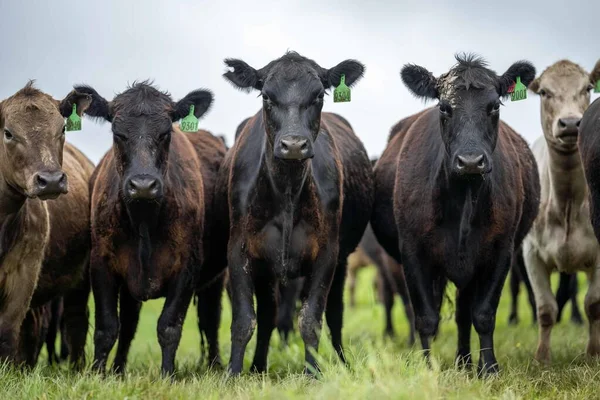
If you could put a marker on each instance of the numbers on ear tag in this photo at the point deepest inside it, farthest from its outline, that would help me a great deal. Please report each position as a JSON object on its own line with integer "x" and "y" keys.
{"x": 342, "y": 92}
{"x": 519, "y": 91}
{"x": 74, "y": 121}
{"x": 190, "y": 122}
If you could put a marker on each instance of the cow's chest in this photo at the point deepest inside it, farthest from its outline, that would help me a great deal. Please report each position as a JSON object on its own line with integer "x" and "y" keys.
{"x": 568, "y": 242}
{"x": 286, "y": 243}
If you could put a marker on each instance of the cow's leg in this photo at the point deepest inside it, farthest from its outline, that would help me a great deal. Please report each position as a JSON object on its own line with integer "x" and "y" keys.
{"x": 287, "y": 308}
{"x": 420, "y": 281}
{"x": 592, "y": 309}
{"x": 489, "y": 283}
{"x": 513, "y": 318}
{"x": 464, "y": 324}
{"x": 243, "y": 316}
{"x": 265, "y": 287}
{"x": 76, "y": 319}
{"x": 171, "y": 319}
{"x": 352, "y": 272}
{"x": 575, "y": 312}
{"x": 15, "y": 306}
{"x": 209, "y": 317}
{"x": 547, "y": 309}
{"x": 563, "y": 293}
{"x": 311, "y": 315}
{"x": 53, "y": 328}
{"x": 129, "y": 315}
{"x": 33, "y": 334}
{"x": 334, "y": 312}
{"x": 387, "y": 297}
{"x": 105, "y": 289}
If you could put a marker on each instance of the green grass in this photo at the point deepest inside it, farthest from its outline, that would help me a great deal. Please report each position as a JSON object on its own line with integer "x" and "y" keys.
{"x": 380, "y": 369}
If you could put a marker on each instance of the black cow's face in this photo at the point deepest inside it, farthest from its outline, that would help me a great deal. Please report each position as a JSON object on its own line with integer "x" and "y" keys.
{"x": 469, "y": 108}
{"x": 292, "y": 89}
{"x": 142, "y": 122}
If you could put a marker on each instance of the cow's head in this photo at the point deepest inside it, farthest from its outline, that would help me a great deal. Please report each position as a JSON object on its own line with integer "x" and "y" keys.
{"x": 564, "y": 88}
{"x": 33, "y": 130}
{"x": 142, "y": 122}
{"x": 292, "y": 89}
{"x": 469, "y": 107}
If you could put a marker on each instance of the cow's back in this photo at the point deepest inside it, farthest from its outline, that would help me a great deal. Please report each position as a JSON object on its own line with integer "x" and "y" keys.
{"x": 211, "y": 151}
{"x": 357, "y": 181}
{"x": 385, "y": 178}
{"x": 69, "y": 243}
{"x": 517, "y": 156}
{"x": 589, "y": 147}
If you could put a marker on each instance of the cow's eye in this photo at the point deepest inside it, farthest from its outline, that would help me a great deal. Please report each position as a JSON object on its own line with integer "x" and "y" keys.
{"x": 7, "y": 135}
{"x": 445, "y": 109}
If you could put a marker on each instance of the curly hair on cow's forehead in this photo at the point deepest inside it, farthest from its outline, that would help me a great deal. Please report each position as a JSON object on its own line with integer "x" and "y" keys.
{"x": 470, "y": 72}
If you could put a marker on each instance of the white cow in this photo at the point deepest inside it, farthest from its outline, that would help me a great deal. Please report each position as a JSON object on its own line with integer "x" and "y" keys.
{"x": 562, "y": 237}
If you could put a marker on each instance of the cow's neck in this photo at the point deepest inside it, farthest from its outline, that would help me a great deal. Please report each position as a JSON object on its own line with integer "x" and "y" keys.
{"x": 12, "y": 214}
{"x": 11, "y": 201}
{"x": 286, "y": 178}
{"x": 460, "y": 202}
{"x": 568, "y": 188}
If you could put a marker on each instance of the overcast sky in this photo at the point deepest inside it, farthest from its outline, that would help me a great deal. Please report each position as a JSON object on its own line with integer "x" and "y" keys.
{"x": 182, "y": 44}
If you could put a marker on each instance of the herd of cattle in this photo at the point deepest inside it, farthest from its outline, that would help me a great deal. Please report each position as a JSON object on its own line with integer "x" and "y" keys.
{"x": 457, "y": 195}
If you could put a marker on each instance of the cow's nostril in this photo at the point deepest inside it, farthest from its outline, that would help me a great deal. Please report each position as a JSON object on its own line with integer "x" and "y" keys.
{"x": 41, "y": 182}
{"x": 460, "y": 163}
{"x": 481, "y": 163}
{"x": 578, "y": 122}
{"x": 304, "y": 146}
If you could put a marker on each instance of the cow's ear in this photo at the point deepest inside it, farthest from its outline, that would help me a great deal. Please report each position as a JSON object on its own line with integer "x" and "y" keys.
{"x": 99, "y": 107}
{"x": 595, "y": 74}
{"x": 521, "y": 69}
{"x": 201, "y": 99}
{"x": 352, "y": 69}
{"x": 419, "y": 81}
{"x": 82, "y": 102}
{"x": 242, "y": 76}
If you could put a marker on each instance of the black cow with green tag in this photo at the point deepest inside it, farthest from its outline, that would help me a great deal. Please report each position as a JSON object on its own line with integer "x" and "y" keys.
{"x": 295, "y": 192}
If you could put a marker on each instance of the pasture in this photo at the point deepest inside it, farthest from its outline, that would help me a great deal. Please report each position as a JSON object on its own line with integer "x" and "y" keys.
{"x": 380, "y": 369}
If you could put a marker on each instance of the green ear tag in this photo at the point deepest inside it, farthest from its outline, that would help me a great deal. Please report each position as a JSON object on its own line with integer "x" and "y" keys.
{"x": 597, "y": 88}
{"x": 342, "y": 92}
{"x": 190, "y": 122}
{"x": 74, "y": 121}
{"x": 519, "y": 92}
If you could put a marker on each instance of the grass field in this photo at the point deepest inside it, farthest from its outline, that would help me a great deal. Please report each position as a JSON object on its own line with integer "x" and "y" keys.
{"x": 379, "y": 369}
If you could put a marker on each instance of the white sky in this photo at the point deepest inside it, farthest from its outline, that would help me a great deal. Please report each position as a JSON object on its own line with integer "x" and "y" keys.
{"x": 181, "y": 45}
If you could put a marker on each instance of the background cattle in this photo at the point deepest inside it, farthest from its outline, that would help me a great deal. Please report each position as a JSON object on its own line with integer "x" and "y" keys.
{"x": 151, "y": 218}
{"x": 562, "y": 237}
{"x": 298, "y": 186}
{"x": 44, "y": 218}
{"x": 567, "y": 291}
{"x": 456, "y": 191}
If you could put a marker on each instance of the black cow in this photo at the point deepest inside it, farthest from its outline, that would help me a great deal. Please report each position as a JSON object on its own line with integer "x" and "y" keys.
{"x": 297, "y": 188}
{"x": 456, "y": 191}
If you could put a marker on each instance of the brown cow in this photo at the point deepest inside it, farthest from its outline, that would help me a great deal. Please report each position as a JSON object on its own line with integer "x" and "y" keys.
{"x": 44, "y": 245}
{"x": 456, "y": 190}
{"x": 152, "y": 197}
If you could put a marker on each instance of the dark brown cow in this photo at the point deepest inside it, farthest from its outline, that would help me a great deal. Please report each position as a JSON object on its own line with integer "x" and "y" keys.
{"x": 152, "y": 197}
{"x": 297, "y": 188}
{"x": 44, "y": 245}
{"x": 456, "y": 192}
